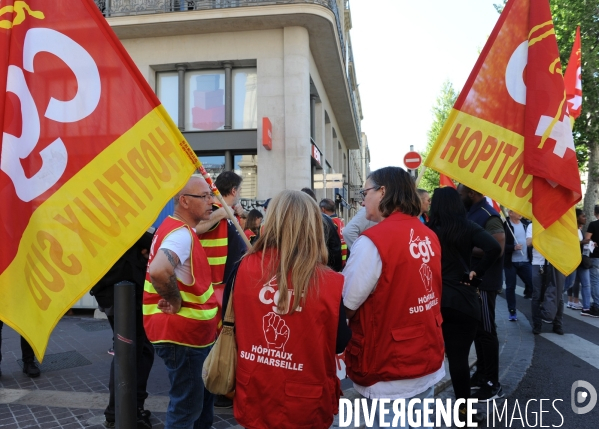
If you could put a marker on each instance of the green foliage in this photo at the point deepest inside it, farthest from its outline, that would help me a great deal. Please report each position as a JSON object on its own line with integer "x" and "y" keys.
{"x": 499, "y": 6}
{"x": 567, "y": 15}
{"x": 443, "y": 105}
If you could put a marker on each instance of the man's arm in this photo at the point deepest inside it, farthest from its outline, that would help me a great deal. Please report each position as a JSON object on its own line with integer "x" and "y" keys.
{"x": 215, "y": 217}
{"x": 164, "y": 280}
{"x": 494, "y": 226}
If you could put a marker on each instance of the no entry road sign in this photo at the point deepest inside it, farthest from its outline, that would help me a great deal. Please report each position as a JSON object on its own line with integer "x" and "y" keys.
{"x": 412, "y": 160}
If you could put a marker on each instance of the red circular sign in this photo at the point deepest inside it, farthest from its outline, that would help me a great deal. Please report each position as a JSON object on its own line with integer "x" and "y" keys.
{"x": 412, "y": 160}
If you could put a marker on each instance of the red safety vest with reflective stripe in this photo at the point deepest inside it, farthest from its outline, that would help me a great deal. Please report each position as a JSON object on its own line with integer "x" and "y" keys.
{"x": 195, "y": 324}
{"x": 215, "y": 243}
{"x": 340, "y": 225}
{"x": 396, "y": 332}
{"x": 286, "y": 368}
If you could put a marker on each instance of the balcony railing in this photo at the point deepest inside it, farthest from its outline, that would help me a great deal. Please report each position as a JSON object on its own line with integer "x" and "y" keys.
{"x": 112, "y": 8}
{"x": 140, "y": 7}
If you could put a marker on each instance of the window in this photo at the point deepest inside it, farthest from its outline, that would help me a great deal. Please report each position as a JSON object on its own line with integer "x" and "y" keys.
{"x": 245, "y": 113}
{"x": 168, "y": 93}
{"x": 204, "y": 100}
{"x": 205, "y": 106}
{"x": 214, "y": 165}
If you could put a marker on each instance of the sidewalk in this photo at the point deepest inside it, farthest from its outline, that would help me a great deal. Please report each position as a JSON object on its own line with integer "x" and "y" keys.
{"x": 72, "y": 390}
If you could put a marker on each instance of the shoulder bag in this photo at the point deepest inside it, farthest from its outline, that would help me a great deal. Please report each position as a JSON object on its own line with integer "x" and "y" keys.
{"x": 218, "y": 372}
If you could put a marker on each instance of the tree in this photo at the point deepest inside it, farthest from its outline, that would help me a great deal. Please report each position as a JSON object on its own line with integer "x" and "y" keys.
{"x": 443, "y": 105}
{"x": 567, "y": 15}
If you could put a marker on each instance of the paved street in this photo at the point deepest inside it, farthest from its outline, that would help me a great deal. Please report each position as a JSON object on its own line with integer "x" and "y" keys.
{"x": 73, "y": 388}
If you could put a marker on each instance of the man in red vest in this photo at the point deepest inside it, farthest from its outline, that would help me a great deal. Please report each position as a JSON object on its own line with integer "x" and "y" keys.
{"x": 327, "y": 206}
{"x": 223, "y": 245}
{"x": 180, "y": 307}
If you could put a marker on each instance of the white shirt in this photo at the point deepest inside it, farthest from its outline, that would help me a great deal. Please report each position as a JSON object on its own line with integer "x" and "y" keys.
{"x": 537, "y": 258}
{"x": 179, "y": 242}
{"x": 363, "y": 269}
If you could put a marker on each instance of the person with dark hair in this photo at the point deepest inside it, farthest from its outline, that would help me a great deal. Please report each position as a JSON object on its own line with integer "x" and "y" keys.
{"x": 592, "y": 235}
{"x": 392, "y": 296}
{"x": 252, "y": 225}
{"x": 486, "y": 377}
{"x": 460, "y": 304}
{"x": 332, "y": 240}
{"x": 222, "y": 243}
{"x": 327, "y": 206}
{"x": 425, "y": 200}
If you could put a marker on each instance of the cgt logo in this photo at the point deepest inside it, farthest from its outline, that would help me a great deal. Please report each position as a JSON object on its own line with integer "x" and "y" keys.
{"x": 420, "y": 249}
{"x": 17, "y": 148}
{"x": 580, "y": 396}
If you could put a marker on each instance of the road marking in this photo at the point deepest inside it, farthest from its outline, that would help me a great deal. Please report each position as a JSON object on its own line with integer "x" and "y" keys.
{"x": 579, "y": 347}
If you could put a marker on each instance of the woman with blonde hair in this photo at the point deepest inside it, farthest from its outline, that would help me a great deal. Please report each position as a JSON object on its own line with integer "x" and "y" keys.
{"x": 289, "y": 322}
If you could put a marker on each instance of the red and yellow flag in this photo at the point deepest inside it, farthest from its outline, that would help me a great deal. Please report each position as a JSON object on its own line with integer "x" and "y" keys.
{"x": 508, "y": 134}
{"x": 89, "y": 157}
{"x": 446, "y": 181}
{"x": 573, "y": 78}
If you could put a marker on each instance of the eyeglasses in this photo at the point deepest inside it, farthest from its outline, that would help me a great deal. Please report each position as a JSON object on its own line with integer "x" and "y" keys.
{"x": 203, "y": 197}
{"x": 364, "y": 191}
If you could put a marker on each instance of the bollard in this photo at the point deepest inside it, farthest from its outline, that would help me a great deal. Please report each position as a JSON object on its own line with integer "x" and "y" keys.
{"x": 125, "y": 377}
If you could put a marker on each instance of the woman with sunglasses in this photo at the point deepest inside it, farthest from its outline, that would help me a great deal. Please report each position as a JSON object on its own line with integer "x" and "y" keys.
{"x": 392, "y": 295}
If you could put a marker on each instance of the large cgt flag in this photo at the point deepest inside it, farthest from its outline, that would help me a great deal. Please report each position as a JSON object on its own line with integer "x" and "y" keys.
{"x": 506, "y": 135}
{"x": 573, "y": 78}
{"x": 89, "y": 157}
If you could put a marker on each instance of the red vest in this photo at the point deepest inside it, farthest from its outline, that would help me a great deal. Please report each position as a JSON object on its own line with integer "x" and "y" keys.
{"x": 195, "y": 324}
{"x": 215, "y": 242}
{"x": 340, "y": 225}
{"x": 396, "y": 333}
{"x": 286, "y": 370}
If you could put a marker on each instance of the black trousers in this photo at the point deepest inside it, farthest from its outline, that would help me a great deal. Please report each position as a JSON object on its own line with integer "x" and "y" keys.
{"x": 459, "y": 331}
{"x": 486, "y": 341}
{"x": 26, "y": 350}
{"x": 144, "y": 361}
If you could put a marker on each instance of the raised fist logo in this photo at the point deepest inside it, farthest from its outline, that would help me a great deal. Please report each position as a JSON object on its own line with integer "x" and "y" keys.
{"x": 276, "y": 331}
{"x": 427, "y": 277}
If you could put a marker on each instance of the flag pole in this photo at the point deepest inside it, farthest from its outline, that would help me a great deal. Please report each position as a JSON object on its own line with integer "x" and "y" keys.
{"x": 420, "y": 174}
{"x": 504, "y": 219}
{"x": 220, "y": 198}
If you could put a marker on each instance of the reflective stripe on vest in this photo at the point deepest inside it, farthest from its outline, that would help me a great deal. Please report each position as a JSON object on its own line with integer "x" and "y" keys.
{"x": 216, "y": 245}
{"x": 214, "y": 242}
{"x": 187, "y": 312}
{"x": 185, "y": 296}
{"x": 195, "y": 323}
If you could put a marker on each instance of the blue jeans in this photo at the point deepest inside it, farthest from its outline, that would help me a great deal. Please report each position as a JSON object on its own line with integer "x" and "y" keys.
{"x": 388, "y": 418}
{"x": 595, "y": 282}
{"x": 524, "y": 271}
{"x": 191, "y": 406}
{"x": 584, "y": 276}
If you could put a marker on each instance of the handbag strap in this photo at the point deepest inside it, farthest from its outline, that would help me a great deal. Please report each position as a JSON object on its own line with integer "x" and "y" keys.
{"x": 229, "y": 318}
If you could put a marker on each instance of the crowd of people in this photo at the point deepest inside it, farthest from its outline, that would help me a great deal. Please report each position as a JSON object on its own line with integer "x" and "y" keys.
{"x": 412, "y": 278}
